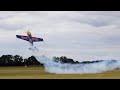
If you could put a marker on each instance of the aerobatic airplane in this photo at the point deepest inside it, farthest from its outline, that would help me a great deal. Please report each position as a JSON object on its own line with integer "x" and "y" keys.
{"x": 30, "y": 39}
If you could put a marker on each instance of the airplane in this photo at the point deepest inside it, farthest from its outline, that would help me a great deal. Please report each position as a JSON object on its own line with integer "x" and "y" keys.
{"x": 30, "y": 39}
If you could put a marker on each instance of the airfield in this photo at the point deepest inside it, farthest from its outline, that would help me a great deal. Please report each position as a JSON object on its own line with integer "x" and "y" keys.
{"x": 37, "y": 72}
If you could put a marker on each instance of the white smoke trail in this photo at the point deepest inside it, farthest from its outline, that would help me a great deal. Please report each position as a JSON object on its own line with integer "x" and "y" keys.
{"x": 90, "y": 68}
{"x": 66, "y": 68}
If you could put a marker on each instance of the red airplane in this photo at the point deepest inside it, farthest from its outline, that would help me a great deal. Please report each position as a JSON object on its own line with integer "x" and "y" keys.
{"x": 30, "y": 39}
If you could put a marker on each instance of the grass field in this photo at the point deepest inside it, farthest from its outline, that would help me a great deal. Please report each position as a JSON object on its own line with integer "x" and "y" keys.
{"x": 39, "y": 73}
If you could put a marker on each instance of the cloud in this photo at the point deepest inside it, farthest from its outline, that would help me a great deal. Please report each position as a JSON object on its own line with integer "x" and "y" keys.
{"x": 71, "y": 33}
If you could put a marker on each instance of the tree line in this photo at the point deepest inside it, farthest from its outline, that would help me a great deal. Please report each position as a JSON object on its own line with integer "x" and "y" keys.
{"x": 9, "y": 60}
{"x": 16, "y": 60}
{"x": 64, "y": 59}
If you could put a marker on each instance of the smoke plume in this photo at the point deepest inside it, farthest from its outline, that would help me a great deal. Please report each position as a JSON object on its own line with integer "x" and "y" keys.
{"x": 89, "y": 68}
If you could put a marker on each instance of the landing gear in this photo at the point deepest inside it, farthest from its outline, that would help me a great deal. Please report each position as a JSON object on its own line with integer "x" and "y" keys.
{"x": 33, "y": 48}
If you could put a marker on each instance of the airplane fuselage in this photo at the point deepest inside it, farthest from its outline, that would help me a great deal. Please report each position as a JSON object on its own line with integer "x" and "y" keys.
{"x": 30, "y": 38}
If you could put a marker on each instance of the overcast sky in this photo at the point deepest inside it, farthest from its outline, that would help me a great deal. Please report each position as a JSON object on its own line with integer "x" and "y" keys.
{"x": 81, "y": 35}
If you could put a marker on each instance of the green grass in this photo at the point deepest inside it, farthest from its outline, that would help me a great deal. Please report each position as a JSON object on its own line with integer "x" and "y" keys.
{"x": 39, "y": 73}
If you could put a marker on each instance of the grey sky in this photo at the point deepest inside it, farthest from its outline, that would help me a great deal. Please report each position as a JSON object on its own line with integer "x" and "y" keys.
{"x": 81, "y": 35}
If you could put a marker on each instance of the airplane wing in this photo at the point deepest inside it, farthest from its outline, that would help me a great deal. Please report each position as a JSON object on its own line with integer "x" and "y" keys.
{"x": 35, "y": 39}
{"x": 22, "y": 37}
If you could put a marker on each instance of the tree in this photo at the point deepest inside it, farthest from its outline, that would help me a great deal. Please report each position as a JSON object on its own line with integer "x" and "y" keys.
{"x": 64, "y": 59}
{"x": 9, "y": 60}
